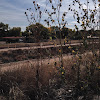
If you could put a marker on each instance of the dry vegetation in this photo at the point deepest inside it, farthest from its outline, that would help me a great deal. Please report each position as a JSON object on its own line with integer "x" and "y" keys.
{"x": 22, "y": 78}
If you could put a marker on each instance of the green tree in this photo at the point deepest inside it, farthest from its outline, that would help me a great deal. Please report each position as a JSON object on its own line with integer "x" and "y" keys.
{"x": 25, "y": 33}
{"x": 3, "y": 29}
{"x": 15, "y": 31}
{"x": 54, "y": 32}
{"x": 38, "y": 31}
{"x": 64, "y": 32}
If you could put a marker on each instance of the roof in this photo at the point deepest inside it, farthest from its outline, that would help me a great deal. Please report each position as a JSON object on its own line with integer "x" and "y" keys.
{"x": 12, "y": 37}
{"x": 92, "y": 37}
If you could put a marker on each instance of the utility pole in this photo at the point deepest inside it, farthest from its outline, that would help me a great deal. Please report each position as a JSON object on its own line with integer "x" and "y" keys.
{"x": 97, "y": 25}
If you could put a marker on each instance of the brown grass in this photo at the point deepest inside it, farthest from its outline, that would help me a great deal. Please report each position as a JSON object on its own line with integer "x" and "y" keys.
{"x": 23, "y": 74}
{"x": 46, "y": 67}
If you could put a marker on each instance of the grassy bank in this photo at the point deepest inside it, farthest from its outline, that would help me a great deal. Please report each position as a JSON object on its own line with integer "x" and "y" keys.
{"x": 49, "y": 52}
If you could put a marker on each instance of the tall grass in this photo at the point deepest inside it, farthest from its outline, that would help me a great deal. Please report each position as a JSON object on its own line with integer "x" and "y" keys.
{"x": 25, "y": 77}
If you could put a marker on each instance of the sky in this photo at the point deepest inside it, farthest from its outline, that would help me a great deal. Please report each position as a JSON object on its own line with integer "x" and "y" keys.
{"x": 12, "y": 12}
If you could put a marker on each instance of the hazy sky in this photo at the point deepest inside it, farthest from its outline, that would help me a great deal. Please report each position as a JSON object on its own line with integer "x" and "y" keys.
{"x": 12, "y": 12}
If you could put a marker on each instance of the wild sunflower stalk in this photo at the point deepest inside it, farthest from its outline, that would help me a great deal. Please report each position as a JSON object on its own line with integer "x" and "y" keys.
{"x": 88, "y": 21}
{"x": 34, "y": 17}
{"x": 55, "y": 19}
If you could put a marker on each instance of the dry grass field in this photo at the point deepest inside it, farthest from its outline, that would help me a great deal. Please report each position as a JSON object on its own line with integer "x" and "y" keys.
{"x": 23, "y": 74}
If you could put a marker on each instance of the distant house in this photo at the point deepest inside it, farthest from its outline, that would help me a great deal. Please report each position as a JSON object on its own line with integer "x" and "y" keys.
{"x": 89, "y": 36}
{"x": 92, "y": 37}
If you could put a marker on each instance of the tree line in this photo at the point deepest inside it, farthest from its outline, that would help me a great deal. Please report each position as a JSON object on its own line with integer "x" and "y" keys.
{"x": 6, "y": 31}
{"x": 40, "y": 32}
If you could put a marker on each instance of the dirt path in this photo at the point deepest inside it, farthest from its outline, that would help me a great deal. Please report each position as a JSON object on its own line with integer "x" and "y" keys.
{"x": 43, "y": 46}
{"x": 36, "y": 47}
{"x": 29, "y": 63}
